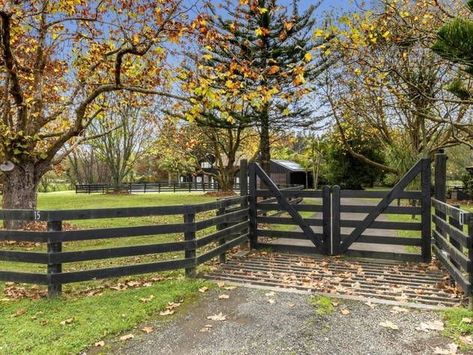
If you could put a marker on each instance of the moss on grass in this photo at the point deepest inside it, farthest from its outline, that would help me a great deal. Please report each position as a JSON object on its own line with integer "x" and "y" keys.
{"x": 323, "y": 305}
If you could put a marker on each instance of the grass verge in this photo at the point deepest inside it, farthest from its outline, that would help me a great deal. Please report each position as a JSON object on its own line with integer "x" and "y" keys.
{"x": 69, "y": 325}
{"x": 459, "y": 326}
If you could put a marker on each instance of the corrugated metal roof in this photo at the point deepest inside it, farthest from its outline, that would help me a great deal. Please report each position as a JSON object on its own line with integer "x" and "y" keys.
{"x": 289, "y": 164}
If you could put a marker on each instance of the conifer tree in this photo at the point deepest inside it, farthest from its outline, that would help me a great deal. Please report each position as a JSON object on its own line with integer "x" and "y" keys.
{"x": 256, "y": 68}
{"x": 455, "y": 43}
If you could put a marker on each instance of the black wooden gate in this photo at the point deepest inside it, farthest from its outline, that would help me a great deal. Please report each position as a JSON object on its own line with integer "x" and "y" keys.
{"x": 332, "y": 221}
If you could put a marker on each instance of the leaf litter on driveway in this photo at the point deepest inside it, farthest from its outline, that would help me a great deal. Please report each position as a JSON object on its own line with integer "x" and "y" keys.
{"x": 208, "y": 328}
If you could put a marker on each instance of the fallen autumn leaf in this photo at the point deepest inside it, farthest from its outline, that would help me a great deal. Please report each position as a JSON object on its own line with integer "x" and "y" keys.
{"x": 217, "y": 317}
{"x": 127, "y": 337}
{"x": 167, "y": 312}
{"x": 389, "y": 324}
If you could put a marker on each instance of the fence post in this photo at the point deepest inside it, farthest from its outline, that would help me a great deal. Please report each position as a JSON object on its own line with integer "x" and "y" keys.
{"x": 426, "y": 218}
{"x": 244, "y": 191}
{"x": 54, "y": 289}
{"x": 440, "y": 187}
{"x": 470, "y": 255}
{"x": 336, "y": 217}
{"x": 326, "y": 220}
{"x": 189, "y": 236}
{"x": 220, "y": 226}
{"x": 456, "y": 223}
{"x": 252, "y": 200}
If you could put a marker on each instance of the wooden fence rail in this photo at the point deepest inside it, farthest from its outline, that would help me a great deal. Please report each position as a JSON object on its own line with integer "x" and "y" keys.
{"x": 146, "y": 187}
{"x": 228, "y": 228}
{"x": 453, "y": 242}
{"x": 453, "y": 232}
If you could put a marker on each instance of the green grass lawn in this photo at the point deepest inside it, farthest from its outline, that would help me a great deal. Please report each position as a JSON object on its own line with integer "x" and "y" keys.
{"x": 97, "y": 308}
{"x": 71, "y": 200}
{"x": 467, "y": 207}
{"x": 68, "y": 325}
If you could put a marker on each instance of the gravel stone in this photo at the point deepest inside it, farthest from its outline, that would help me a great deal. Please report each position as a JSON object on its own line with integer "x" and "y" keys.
{"x": 288, "y": 326}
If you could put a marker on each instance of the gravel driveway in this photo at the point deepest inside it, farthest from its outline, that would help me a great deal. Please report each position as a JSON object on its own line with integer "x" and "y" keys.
{"x": 267, "y": 322}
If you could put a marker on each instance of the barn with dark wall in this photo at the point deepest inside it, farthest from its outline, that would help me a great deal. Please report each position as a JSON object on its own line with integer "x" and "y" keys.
{"x": 287, "y": 172}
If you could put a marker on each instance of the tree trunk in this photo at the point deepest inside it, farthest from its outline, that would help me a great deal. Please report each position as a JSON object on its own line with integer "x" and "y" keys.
{"x": 19, "y": 190}
{"x": 225, "y": 179}
{"x": 265, "y": 146}
{"x": 316, "y": 173}
{"x": 226, "y": 185}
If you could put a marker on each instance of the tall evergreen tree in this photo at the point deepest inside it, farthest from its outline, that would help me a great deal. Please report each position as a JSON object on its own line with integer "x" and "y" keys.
{"x": 256, "y": 68}
{"x": 455, "y": 43}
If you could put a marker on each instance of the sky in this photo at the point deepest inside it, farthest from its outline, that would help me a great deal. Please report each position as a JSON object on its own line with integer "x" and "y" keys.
{"x": 327, "y": 5}
{"x": 337, "y": 6}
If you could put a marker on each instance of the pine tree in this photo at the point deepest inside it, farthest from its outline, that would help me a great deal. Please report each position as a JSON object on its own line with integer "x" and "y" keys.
{"x": 256, "y": 68}
{"x": 455, "y": 43}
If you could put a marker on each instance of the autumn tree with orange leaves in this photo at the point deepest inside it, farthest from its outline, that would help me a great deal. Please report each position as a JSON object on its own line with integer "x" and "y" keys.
{"x": 388, "y": 81}
{"x": 58, "y": 61}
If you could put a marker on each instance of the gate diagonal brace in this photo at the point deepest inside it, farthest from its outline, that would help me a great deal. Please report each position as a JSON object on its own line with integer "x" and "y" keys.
{"x": 382, "y": 205}
{"x": 282, "y": 201}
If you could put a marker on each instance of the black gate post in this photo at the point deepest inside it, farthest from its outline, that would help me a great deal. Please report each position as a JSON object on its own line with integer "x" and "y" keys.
{"x": 252, "y": 200}
{"x": 470, "y": 256}
{"x": 244, "y": 177}
{"x": 426, "y": 218}
{"x": 336, "y": 217}
{"x": 440, "y": 188}
{"x": 329, "y": 247}
{"x": 244, "y": 190}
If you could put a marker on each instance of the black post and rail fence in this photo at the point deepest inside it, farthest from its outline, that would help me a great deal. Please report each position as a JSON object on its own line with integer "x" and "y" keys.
{"x": 232, "y": 225}
{"x": 453, "y": 232}
{"x": 148, "y": 187}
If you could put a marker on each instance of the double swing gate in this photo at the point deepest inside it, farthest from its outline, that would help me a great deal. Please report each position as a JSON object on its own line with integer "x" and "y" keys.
{"x": 333, "y": 221}
{"x": 394, "y": 224}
